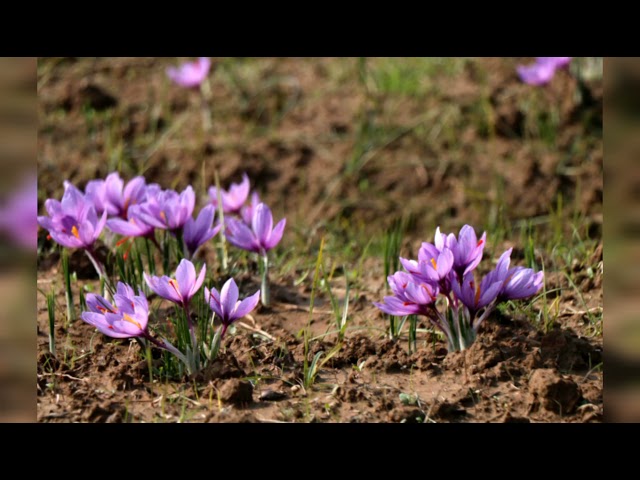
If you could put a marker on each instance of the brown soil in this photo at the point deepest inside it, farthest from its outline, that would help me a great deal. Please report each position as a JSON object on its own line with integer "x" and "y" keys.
{"x": 464, "y": 151}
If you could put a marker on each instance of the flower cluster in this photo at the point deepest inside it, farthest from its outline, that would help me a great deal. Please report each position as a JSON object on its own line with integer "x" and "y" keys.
{"x": 446, "y": 268}
{"x": 137, "y": 209}
{"x": 542, "y": 71}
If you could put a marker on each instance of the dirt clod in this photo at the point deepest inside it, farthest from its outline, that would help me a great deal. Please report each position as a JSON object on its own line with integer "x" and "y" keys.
{"x": 552, "y": 392}
{"x": 237, "y": 392}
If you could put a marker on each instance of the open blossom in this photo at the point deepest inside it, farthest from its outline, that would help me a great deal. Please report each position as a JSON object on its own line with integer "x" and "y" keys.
{"x": 261, "y": 236}
{"x": 181, "y": 289}
{"x": 542, "y": 71}
{"x": 226, "y": 304}
{"x": 18, "y": 216}
{"x": 234, "y": 198}
{"x": 167, "y": 209}
{"x": 127, "y": 318}
{"x": 190, "y": 74}
{"x": 199, "y": 231}
{"x": 72, "y": 222}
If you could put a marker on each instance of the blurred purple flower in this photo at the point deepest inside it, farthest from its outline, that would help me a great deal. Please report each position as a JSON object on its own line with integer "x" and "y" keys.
{"x": 190, "y": 74}
{"x": 73, "y": 222}
{"x": 183, "y": 288}
{"x": 167, "y": 209}
{"x": 127, "y": 318}
{"x": 226, "y": 305}
{"x": 246, "y": 212}
{"x": 542, "y": 71}
{"x": 232, "y": 200}
{"x": 199, "y": 231}
{"x": 261, "y": 236}
{"x": 18, "y": 215}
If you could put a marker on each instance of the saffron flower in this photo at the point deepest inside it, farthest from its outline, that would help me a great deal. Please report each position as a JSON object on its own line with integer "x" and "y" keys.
{"x": 127, "y": 318}
{"x": 190, "y": 74}
{"x": 199, "y": 231}
{"x": 72, "y": 222}
{"x": 167, "y": 209}
{"x": 226, "y": 305}
{"x": 542, "y": 71}
{"x": 432, "y": 265}
{"x": 234, "y": 198}
{"x": 261, "y": 236}
{"x": 181, "y": 289}
{"x": 18, "y": 216}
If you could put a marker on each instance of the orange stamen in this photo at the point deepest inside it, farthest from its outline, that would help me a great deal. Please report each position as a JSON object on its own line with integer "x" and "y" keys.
{"x": 163, "y": 215}
{"x": 435, "y": 265}
{"x": 127, "y": 318}
{"x": 75, "y": 232}
{"x": 175, "y": 286}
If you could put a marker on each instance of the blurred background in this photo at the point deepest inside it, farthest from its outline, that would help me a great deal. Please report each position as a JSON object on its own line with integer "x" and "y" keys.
{"x": 18, "y": 207}
{"x": 622, "y": 233}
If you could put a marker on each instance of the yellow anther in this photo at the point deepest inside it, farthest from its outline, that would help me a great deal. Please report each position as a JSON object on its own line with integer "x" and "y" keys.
{"x": 127, "y": 318}
{"x": 435, "y": 265}
{"x": 75, "y": 232}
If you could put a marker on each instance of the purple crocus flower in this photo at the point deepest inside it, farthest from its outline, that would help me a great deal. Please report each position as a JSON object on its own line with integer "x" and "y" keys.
{"x": 167, "y": 209}
{"x": 542, "y": 71}
{"x": 127, "y": 318}
{"x": 226, "y": 304}
{"x": 246, "y": 212}
{"x": 73, "y": 222}
{"x": 199, "y": 231}
{"x": 190, "y": 74}
{"x": 261, "y": 237}
{"x": 234, "y": 198}
{"x": 410, "y": 297}
{"x": 181, "y": 289}
{"x": 476, "y": 296}
{"x": 521, "y": 283}
{"x": 467, "y": 249}
{"x": 18, "y": 216}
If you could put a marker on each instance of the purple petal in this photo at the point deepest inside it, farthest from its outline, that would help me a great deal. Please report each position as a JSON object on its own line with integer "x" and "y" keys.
{"x": 262, "y": 223}
{"x": 228, "y": 298}
{"x": 213, "y": 299}
{"x": 276, "y": 235}
{"x": 246, "y": 305}
{"x": 241, "y": 236}
{"x": 186, "y": 277}
{"x": 198, "y": 282}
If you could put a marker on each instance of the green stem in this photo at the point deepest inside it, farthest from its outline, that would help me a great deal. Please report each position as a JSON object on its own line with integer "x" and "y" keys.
{"x": 101, "y": 271}
{"x": 265, "y": 292}
{"x": 222, "y": 252}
